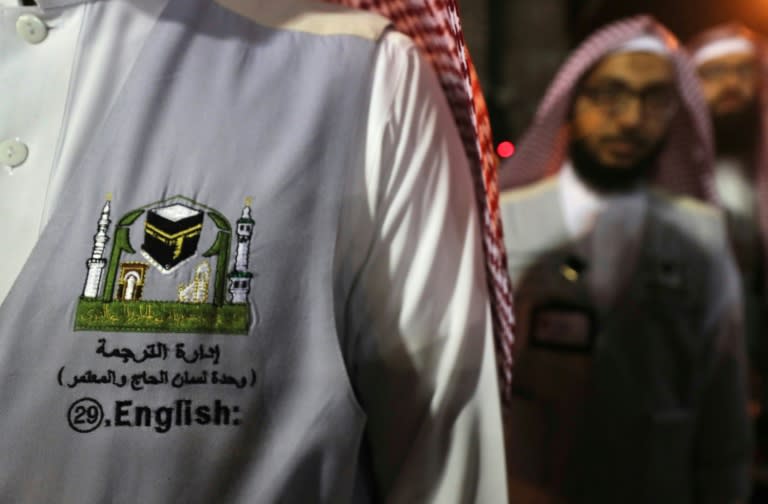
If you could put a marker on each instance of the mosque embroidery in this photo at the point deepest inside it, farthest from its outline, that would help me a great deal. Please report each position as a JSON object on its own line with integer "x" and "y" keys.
{"x": 179, "y": 279}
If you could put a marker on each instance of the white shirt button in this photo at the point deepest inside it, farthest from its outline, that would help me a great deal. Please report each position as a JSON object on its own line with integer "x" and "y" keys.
{"x": 31, "y": 28}
{"x": 13, "y": 153}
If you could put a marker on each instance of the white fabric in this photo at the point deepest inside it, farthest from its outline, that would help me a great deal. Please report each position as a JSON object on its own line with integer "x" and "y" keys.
{"x": 723, "y": 47}
{"x": 645, "y": 43}
{"x": 418, "y": 188}
{"x": 421, "y": 268}
{"x": 581, "y": 205}
{"x": 47, "y": 115}
{"x": 735, "y": 189}
{"x": 24, "y": 191}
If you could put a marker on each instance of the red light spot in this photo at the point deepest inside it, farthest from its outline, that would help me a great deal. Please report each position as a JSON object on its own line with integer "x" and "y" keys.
{"x": 505, "y": 150}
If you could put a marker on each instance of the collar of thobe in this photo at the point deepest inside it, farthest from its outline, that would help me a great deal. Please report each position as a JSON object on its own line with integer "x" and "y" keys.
{"x": 734, "y": 187}
{"x": 581, "y": 205}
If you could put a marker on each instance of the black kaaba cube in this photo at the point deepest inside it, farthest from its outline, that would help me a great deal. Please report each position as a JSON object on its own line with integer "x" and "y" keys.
{"x": 171, "y": 234}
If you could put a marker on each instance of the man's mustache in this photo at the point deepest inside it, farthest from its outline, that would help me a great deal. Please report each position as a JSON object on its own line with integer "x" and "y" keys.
{"x": 730, "y": 94}
{"x": 629, "y": 138}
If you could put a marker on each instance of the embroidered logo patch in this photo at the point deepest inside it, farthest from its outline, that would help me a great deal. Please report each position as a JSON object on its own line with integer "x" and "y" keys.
{"x": 180, "y": 279}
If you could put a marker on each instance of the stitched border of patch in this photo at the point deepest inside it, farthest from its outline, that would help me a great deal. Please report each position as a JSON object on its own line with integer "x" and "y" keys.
{"x": 215, "y": 300}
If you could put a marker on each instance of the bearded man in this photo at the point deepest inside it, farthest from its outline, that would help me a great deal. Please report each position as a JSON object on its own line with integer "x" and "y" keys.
{"x": 630, "y": 374}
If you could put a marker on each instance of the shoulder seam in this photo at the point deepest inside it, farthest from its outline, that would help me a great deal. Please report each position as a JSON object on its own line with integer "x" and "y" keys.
{"x": 309, "y": 16}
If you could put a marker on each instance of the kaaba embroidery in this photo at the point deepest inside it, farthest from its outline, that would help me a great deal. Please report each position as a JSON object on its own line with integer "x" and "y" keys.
{"x": 179, "y": 280}
{"x": 171, "y": 234}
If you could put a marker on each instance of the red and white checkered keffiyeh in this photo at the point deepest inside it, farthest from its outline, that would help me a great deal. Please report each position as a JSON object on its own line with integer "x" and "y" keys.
{"x": 761, "y": 155}
{"x": 685, "y": 164}
{"x": 435, "y": 28}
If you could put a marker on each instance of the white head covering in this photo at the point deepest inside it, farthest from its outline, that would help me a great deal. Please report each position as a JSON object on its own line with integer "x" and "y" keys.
{"x": 645, "y": 43}
{"x": 723, "y": 47}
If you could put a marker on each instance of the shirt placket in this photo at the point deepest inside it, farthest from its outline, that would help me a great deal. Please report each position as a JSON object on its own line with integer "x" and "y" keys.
{"x": 37, "y": 50}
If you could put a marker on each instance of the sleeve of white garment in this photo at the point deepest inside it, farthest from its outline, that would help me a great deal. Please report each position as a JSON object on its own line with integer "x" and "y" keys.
{"x": 418, "y": 324}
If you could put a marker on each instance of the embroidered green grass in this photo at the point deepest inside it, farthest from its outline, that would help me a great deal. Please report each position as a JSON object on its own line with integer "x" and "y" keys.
{"x": 161, "y": 317}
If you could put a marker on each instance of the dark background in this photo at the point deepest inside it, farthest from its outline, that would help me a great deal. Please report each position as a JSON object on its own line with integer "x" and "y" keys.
{"x": 518, "y": 45}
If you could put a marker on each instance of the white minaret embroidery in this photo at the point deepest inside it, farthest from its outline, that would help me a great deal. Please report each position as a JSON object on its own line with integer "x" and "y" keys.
{"x": 240, "y": 278}
{"x": 97, "y": 263}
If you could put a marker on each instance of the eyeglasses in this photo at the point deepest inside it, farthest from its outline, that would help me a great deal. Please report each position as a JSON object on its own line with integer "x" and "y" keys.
{"x": 657, "y": 102}
{"x": 719, "y": 71}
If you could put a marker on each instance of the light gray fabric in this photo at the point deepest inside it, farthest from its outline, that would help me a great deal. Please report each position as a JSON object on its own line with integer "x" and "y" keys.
{"x": 295, "y": 429}
{"x": 655, "y": 409}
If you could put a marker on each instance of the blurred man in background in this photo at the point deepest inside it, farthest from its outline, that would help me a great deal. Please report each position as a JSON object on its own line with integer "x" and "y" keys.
{"x": 630, "y": 373}
{"x": 731, "y": 63}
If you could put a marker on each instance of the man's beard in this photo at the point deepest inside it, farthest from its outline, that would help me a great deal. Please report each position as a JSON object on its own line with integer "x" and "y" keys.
{"x": 736, "y": 134}
{"x": 610, "y": 179}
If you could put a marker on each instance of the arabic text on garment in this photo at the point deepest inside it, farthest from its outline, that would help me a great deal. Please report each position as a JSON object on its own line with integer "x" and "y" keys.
{"x": 145, "y": 379}
{"x": 161, "y": 351}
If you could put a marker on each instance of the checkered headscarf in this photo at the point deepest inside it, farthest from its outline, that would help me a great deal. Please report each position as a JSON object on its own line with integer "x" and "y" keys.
{"x": 685, "y": 164}
{"x": 761, "y": 156}
{"x": 435, "y": 28}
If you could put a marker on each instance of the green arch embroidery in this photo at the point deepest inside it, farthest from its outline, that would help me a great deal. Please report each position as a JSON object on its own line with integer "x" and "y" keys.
{"x": 220, "y": 250}
{"x": 122, "y": 244}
